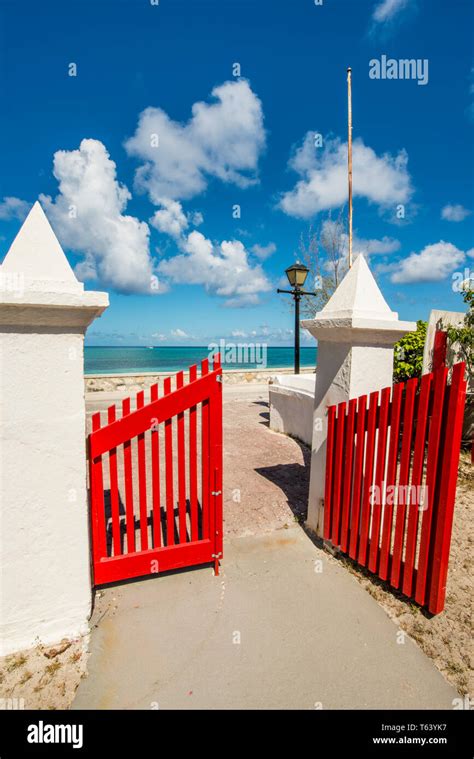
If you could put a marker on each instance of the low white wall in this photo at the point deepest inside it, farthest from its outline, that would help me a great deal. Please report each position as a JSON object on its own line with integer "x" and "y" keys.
{"x": 291, "y": 406}
{"x": 133, "y": 382}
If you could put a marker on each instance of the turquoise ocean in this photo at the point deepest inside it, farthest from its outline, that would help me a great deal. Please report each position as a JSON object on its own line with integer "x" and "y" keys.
{"x": 121, "y": 360}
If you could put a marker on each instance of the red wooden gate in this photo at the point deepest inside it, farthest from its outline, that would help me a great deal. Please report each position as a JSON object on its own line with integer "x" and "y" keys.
{"x": 391, "y": 477}
{"x": 156, "y": 480}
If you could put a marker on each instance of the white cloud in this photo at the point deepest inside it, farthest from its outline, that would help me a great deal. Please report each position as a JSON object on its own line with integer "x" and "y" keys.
{"x": 238, "y": 333}
{"x": 170, "y": 219}
{"x": 88, "y": 217}
{"x": 222, "y": 139}
{"x": 433, "y": 264}
{"x": 455, "y": 212}
{"x": 179, "y": 333}
{"x": 470, "y": 253}
{"x": 223, "y": 269}
{"x": 383, "y": 180}
{"x": 386, "y": 10}
{"x": 263, "y": 251}
{"x": 13, "y": 208}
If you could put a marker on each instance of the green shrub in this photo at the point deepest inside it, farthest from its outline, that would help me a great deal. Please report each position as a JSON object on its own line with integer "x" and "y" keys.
{"x": 408, "y": 354}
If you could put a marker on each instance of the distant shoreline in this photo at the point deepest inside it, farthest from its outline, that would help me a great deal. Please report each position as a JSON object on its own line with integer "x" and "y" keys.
{"x": 242, "y": 357}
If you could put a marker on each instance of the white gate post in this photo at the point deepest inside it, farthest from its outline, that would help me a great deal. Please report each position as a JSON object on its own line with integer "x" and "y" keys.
{"x": 45, "y": 584}
{"x": 356, "y": 332}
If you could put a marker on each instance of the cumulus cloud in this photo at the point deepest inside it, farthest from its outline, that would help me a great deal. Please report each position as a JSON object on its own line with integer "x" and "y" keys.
{"x": 223, "y": 269}
{"x": 455, "y": 212}
{"x": 222, "y": 139}
{"x": 88, "y": 215}
{"x": 433, "y": 264}
{"x": 13, "y": 208}
{"x": 263, "y": 251}
{"x": 383, "y": 180}
{"x": 172, "y": 220}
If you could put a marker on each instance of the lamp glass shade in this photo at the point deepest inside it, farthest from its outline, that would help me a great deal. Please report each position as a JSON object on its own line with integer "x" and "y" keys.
{"x": 297, "y": 274}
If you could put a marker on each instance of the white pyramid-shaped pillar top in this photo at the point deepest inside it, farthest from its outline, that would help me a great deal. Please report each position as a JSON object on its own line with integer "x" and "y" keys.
{"x": 357, "y": 305}
{"x": 37, "y": 283}
{"x": 37, "y": 256}
{"x": 358, "y": 295}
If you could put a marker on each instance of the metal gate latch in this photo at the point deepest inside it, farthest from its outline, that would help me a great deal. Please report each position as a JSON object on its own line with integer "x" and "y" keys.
{"x": 216, "y": 492}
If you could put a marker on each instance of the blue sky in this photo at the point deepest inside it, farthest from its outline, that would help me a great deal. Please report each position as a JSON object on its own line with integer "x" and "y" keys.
{"x": 141, "y": 157}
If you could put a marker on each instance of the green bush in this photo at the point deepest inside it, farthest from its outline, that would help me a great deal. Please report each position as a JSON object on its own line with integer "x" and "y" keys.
{"x": 408, "y": 354}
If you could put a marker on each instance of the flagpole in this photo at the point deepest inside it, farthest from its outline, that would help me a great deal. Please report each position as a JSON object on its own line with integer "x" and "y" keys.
{"x": 349, "y": 156}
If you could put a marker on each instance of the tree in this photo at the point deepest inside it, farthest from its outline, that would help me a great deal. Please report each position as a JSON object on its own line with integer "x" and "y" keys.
{"x": 461, "y": 339}
{"x": 408, "y": 354}
{"x": 324, "y": 251}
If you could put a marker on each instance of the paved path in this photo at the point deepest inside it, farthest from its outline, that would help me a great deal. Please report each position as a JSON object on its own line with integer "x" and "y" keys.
{"x": 283, "y": 626}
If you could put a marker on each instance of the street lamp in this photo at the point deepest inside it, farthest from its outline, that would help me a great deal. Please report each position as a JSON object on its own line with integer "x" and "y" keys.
{"x": 297, "y": 274}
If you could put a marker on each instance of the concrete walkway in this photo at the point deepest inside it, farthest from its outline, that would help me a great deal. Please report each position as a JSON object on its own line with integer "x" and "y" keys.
{"x": 270, "y": 632}
{"x": 283, "y": 626}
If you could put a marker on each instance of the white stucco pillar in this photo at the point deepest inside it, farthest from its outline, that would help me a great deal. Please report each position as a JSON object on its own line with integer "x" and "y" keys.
{"x": 356, "y": 332}
{"x": 45, "y": 587}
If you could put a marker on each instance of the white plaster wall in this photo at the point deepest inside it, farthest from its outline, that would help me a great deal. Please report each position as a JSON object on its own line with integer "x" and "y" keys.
{"x": 45, "y": 578}
{"x": 291, "y": 412}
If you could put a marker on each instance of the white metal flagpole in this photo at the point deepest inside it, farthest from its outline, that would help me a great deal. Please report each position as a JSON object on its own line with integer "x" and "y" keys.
{"x": 349, "y": 156}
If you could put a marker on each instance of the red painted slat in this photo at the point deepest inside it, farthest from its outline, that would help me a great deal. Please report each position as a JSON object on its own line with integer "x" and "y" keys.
{"x": 368, "y": 479}
{"x": 391, "y": 479}
{"x": 205, "y": 474}
{"x": 142, "y": 480}
{"x": 382, "y": 428}
{"x": 347, "y": 473}
{"x": 114, "y": 494}
{"x": 138, "y": 564}
{"x": 416, "y": 482}
{"x": 440, "y": 349}
{"x": 216, "y": 425}
{"x": 338, "y": 463}
{"x": 128, "y": 477}
{"x": 155, "y": 473}
{"x": 193, "y": 499}
{"x": 433, "y": 456}
{"x": 181, "y": 467}
{"x": 169, "y": 472}
{"x": 329, "y": 471}
{"x": 98, "y": 528}
{"x": 447, "y": 492}
{"x": 403, "y": 482}
{"x": 358, "y": 464}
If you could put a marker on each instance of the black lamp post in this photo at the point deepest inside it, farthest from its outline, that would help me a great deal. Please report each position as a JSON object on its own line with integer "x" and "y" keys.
{"x": 297, "y": 274}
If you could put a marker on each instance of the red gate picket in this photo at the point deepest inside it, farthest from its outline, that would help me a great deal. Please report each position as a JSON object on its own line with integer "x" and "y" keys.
{"x": 391, "y": 477}
{"x": 156, "y": 497}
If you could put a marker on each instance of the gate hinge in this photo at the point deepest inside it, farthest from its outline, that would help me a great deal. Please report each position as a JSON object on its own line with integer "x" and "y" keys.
{"x": 216, "y": 555}
{"x": 216, "y": 492}
{"x": 219, "y": 378}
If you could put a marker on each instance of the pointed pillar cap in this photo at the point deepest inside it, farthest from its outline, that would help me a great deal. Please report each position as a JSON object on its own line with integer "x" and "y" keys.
{"x": 38, "y": 283}
{"x": 358, "y": 310}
